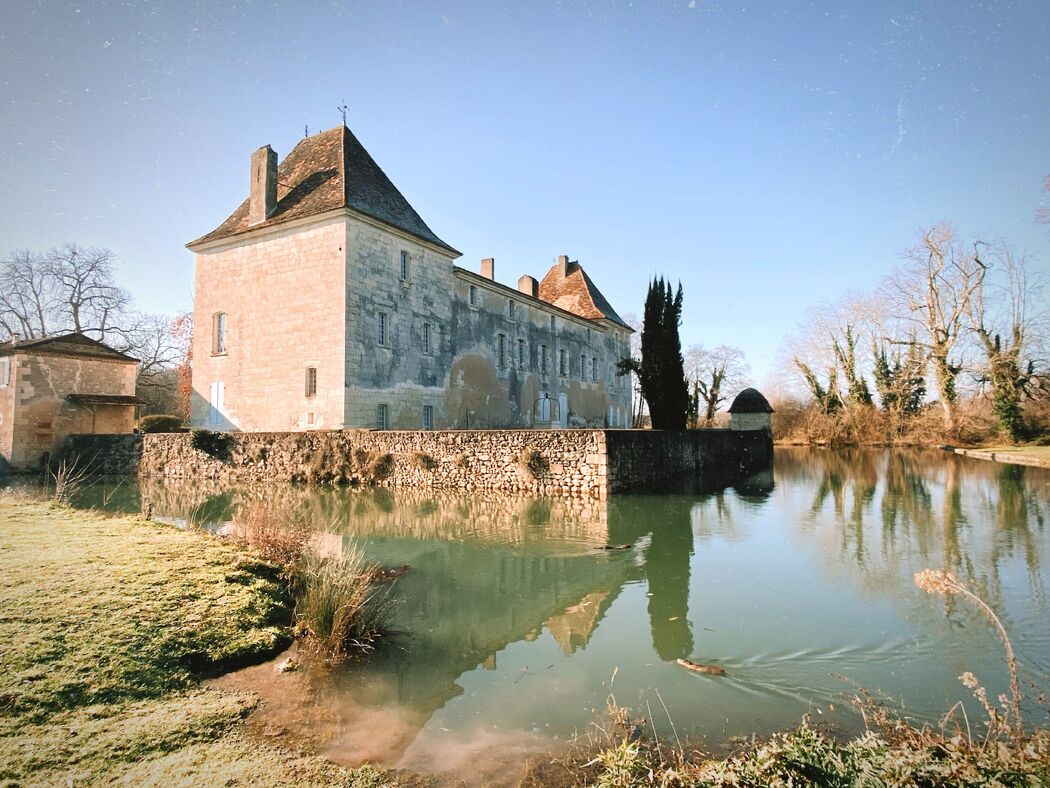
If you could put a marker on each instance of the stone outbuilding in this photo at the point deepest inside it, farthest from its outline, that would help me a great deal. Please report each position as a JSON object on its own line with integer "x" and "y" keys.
{"x": 58, "y": 386}
{"x": 750, "y": 411}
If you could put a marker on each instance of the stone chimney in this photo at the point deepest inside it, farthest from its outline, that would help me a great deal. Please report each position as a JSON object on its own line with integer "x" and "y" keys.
{"x": 488, "y": 268}
{"x": 529, "y": 286}
{"x": 563, "y": 265}
{"x": 15, "y": 337}
{"x": 263, "y": 197}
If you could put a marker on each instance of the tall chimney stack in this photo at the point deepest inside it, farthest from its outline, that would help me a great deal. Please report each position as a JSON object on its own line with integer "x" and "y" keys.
{"x": 529, "y": 286}
{"x": 263, "y": 198}
{"x": 563, "y": 265}
{"x": 488, "y": 268}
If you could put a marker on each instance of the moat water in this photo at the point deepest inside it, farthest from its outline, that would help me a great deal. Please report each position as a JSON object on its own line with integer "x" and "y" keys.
{"x": 521, "y": 627}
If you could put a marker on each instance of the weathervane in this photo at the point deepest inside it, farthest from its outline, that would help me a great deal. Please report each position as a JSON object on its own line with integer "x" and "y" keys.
{"x": 342, "y": 109}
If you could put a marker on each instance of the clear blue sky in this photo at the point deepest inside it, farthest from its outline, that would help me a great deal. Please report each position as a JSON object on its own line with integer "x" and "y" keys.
{"x": 769, "y": 155}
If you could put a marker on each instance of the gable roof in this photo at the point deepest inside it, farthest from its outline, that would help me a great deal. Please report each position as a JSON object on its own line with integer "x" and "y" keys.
{"x": 576, "y": 293}
{"x": 327, "y": 171}
{"x": 72, "y": 344}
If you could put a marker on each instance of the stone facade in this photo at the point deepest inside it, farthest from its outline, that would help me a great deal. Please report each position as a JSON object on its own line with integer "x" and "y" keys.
{"x": 589, "y": 463}
{"x": 329, "y": 312}
{"x": 40, "y": 383}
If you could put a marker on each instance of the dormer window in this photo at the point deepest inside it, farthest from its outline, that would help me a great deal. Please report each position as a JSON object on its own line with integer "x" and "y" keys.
{"x": 404, "y": 266}
{"x": 218, "y": 334}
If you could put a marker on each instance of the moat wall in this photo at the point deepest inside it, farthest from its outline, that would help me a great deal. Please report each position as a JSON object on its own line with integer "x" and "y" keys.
{"x": 564, "y": 462}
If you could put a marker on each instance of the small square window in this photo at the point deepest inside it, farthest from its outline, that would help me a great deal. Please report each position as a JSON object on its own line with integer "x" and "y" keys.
{"x": 428, "y": 417}
{"x": 311, "y": 381}
{"x": 473, "y": 293}
{"x": 381, "y": 328}
{"x": 382, "y": 417}
{"x": 404, "y": 266}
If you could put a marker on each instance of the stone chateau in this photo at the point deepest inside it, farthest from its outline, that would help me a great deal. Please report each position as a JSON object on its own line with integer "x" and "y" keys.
{"x": 325, "y": 302}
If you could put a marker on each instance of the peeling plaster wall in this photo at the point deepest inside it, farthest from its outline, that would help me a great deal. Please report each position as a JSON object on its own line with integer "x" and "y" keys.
{"x": 312, "y": 295}
{"x": 38, "y": 417}
{"x": 397, "y": 372}
{"x": 485, "y": 393}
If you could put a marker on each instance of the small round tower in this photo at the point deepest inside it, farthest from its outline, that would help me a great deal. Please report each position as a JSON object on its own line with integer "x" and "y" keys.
{"x": 750, "y": 411}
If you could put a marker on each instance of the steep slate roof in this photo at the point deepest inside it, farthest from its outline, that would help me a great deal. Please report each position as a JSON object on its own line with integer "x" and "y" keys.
{"x": 72, "y": 344}
{"x": 750, "y": 401}
{"x": 576, "y": 293}
{"x": 327, "y": 171}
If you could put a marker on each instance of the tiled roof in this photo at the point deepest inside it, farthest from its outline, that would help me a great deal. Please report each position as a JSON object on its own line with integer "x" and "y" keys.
{"x": 327, "y": 171}
{"x": 72, "y": 344}
{"x": 576, "y": 293}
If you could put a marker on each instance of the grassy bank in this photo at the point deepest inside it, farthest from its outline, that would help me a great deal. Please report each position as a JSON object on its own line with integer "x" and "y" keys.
{"x": 106, "y": 627}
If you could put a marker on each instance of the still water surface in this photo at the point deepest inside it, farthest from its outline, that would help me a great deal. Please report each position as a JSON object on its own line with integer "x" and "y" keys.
{"x": 521, "y": 626}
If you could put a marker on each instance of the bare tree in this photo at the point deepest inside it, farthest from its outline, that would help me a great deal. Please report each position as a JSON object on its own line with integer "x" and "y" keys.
{"x": 26, "y": 294}
{"x": 1000, "y": 317}
{"x": 713, "y": 376}
{"x": 85, "y": 291}
{"x": 1042, "y": 213}
{"x": 69, "y": 288}
{"x": 931, "y": 293}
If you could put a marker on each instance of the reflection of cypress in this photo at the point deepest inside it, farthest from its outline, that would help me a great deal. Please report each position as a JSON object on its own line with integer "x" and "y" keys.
{"x": 667, "y": 570}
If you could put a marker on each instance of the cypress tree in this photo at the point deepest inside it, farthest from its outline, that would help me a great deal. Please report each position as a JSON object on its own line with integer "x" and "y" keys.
{"x": 662, "y": 370}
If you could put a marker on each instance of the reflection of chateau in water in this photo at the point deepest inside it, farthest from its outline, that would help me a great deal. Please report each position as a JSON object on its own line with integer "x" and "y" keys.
{"x": 491, "y": 571}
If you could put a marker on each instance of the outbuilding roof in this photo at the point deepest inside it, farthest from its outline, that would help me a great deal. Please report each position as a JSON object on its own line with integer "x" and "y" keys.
{"x": 750, "y": 401}
{"x": 327, "y": 171}
{"x": 71, "y": 344}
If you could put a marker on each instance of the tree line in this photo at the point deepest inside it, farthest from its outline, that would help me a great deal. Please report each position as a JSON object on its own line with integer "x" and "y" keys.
{"x": 75, "y": 288}
{"x": 958, "y": 328}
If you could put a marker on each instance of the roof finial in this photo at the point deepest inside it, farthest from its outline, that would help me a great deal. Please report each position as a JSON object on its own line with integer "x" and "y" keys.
{"x": 342, "y": 109}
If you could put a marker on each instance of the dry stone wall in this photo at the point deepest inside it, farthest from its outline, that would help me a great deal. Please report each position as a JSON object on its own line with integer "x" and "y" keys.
{"x": 590, "y": 463}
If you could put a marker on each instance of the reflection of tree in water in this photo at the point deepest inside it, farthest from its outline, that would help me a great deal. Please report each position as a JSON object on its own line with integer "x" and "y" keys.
{"x": 667, "y": 559}
{"x": 890, "y": 513}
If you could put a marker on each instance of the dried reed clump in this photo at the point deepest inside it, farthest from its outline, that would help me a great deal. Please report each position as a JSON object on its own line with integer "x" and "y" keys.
{"x": 339, "y": 607}
{"x": 938, "y": 581}
{"x": 424, "y": 461}
{"x": 64, "y": 480}
{"x": 532, "y": 464}
{"x": 280, "y": 533}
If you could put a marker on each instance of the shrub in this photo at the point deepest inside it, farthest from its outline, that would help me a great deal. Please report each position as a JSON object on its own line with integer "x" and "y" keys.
{"x": 280, "y": 533}
{"x": 214, "y": 444}
{"x": 160, "y": 422}
{"x": 338, "y": 606}
{"x": 532, "y": 464}
{"x": 381, "y": 467}
{"x": 424, "y": 461}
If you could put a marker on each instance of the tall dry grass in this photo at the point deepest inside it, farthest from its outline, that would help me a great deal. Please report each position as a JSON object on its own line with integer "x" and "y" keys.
{"x": 340, "y": 608}
{"x": 338, "y": 605}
